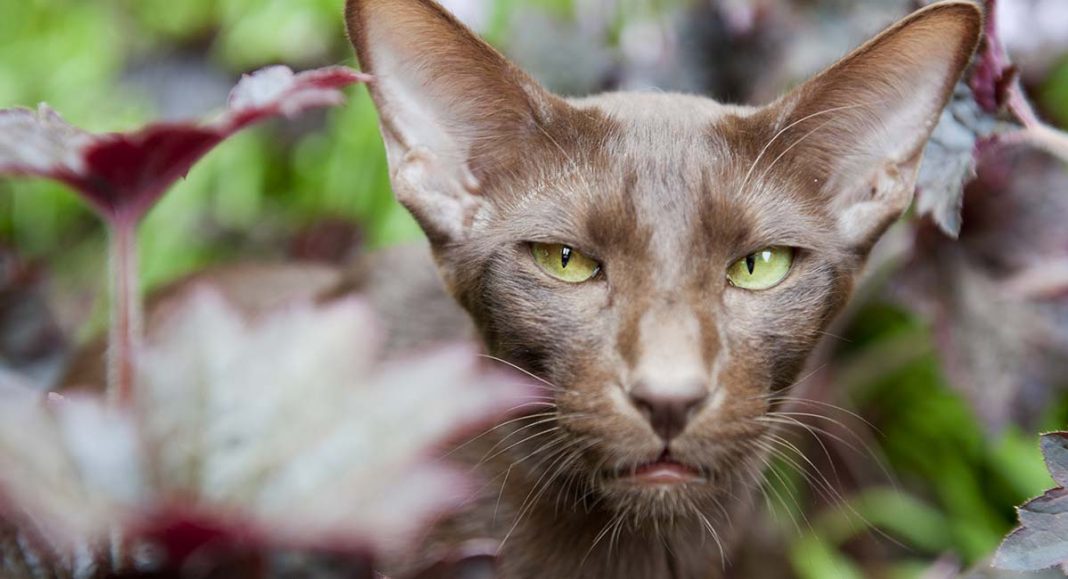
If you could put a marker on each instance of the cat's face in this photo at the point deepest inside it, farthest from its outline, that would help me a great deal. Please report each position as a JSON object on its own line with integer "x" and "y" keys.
{"x": 663, "y": 262}
{"x": 655, "y": 203}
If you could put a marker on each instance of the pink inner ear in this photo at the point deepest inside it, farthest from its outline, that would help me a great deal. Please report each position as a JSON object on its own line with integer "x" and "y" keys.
{"x": 886, "y": 97}
{"x": 439, "y": 85}
{"x": 860, "y": 126}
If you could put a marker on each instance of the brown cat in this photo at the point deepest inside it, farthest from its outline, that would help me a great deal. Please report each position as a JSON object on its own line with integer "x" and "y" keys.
{"x": 663, "y": 262}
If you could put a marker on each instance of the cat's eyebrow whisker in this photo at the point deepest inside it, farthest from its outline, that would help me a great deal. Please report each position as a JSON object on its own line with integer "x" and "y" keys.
{"x": 572, "y": 165}
{"x": 792, "y": 145}
{"x": 760, "y": 156}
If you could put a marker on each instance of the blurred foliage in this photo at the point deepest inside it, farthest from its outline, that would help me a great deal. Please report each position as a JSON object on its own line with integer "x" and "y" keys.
{"x": 951, "y": 486}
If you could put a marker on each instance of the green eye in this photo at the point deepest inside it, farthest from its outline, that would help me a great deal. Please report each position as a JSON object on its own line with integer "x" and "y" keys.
{"x": 563, "y": 262}
{"x": 761, "y": 270}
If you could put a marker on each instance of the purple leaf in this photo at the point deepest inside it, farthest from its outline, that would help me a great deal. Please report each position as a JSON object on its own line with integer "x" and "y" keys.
{"x": 1041, "y": 541}
{"x": 993, "y": 73}
{"x": 949, "y": 160}
{"x": 1055, "y": 453}
{"x": 997, "y": 296}
{"x": 973, "y": 117}
{"x": 235, "y": 421}
{"x": 122, "y": 175}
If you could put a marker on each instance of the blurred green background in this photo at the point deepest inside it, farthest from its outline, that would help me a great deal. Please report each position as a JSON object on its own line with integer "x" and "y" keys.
{"x": 110, "y": 65}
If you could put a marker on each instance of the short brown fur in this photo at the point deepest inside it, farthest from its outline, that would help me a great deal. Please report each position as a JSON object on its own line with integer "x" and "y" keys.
{"x": 665, "y": 192}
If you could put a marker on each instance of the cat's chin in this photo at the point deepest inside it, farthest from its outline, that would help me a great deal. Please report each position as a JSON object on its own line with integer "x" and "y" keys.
{"x": 676, "y": 501}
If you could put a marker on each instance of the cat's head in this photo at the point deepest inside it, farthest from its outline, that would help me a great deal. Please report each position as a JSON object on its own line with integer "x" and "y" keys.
{"x": 664, "y": 261}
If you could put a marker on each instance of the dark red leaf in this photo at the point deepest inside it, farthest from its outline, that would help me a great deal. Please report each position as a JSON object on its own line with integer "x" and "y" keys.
{"x": 123, "y": 175}
{"x": 1041, "y": 541}
{"x": 993, "y": 73}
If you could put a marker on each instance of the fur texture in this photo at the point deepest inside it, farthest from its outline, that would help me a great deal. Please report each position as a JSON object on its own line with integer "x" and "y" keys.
{"x": 665, "y": 192}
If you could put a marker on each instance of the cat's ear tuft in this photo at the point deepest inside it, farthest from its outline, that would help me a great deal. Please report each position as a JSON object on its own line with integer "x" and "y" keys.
{"x": 448, "y": 104}
{"x": 861, "y": 126}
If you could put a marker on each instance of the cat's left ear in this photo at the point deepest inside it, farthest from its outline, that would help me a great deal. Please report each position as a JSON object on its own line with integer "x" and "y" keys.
{"x": 859, "y": 129}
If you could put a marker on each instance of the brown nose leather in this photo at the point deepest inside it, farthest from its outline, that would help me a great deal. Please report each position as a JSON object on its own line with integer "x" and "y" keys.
{"x": 668, "y": 410}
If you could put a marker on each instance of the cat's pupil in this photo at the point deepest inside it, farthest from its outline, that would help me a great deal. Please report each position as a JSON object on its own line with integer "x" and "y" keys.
{"x": 750, "y": 263}
{"x": 565, "y": 256}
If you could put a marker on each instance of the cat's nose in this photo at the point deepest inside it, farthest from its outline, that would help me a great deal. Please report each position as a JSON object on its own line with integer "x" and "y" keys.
{"x": 669, "y": 409}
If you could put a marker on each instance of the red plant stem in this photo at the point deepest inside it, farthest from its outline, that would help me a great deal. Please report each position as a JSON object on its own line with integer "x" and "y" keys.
{"x": 1035, "y": 132}
{"x": 125, "y": 298}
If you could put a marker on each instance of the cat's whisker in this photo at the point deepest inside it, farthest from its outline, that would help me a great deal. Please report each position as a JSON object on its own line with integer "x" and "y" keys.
{"x": 824, "y": 404}
{"x": 572, "y": 476}
{"x": 552, "y": 417}
{"x": 524, "y": 371}
{"x": 600, "y": 536}
{"x": 614, "y": 539}
{"x": 817, "y": 432}
{"x": 781, "y": 132}
{"x": 715, "y": 536}
{"x": 814, "y": 477}
{"x": 842, "y": 339}
{"x": 792, "y": 145}
{"x": 560, "y": 466}
{"x": 513, "y": 445}
{"x": 781, "y": 393}
{"x": 865, "y": 448}
{"x": 794, "y": 502}
{"x": 549, "y": 418}
{"x": 814, "y": 432}
{"x": 527, "y": 503}
{"x": 504, "y": 483}
{"x": 494, "y": 428}
{"x": 834, "y": 497}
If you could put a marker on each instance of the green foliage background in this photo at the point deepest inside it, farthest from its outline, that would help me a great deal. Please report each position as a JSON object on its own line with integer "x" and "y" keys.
{"x": 956, "y": 484}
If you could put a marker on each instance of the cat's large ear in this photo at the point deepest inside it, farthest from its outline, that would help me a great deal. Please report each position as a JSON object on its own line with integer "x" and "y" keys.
{"x": 450, "y": 106}
{"x": 859, "y": 128}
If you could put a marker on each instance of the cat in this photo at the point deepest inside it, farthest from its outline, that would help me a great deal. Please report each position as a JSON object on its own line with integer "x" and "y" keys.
{"x": 662, "y": 263}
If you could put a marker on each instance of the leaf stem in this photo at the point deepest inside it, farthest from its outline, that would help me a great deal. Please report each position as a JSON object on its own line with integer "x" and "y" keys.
{"x": 1034, "y": 132}
{"x": 125, "y": 332}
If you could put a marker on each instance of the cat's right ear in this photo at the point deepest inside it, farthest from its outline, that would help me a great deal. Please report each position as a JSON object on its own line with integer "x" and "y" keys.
{"x": 449, "y": 106}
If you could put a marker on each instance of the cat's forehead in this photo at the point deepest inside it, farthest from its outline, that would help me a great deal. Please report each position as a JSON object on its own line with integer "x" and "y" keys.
{"x": 640, "y": 108}
{"x": 674, "y": 128}
{"x": 664, "y": 167}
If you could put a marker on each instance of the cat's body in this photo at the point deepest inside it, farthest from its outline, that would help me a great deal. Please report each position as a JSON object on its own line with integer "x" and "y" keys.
{"x": 709, "y": 247}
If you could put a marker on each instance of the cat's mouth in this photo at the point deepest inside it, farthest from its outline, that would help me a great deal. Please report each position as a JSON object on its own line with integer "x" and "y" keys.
{"x": 664, "y": 471}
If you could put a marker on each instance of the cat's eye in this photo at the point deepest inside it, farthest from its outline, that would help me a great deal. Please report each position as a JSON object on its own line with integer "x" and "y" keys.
{"x": 564, "y": 262}
{"x": 763, "y": 269}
